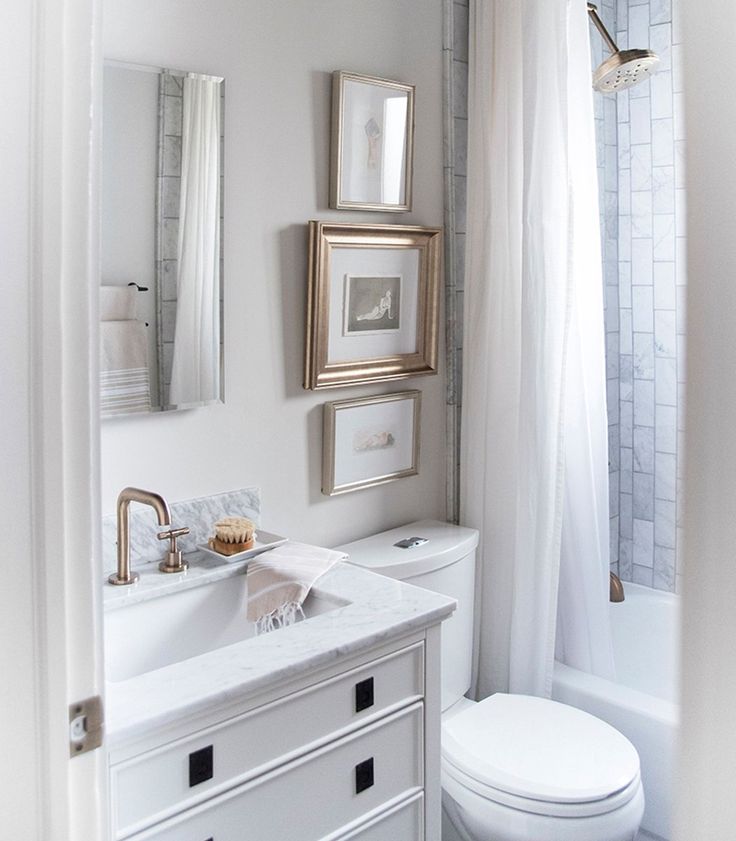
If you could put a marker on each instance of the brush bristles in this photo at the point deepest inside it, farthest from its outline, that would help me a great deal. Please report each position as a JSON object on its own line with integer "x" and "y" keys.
{"x": 234, "y": 530}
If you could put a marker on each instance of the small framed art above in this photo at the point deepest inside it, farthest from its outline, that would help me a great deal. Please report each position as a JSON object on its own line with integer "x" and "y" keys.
{"x": 372, "y": 143}
{"x": 373, "y": 303}
{"x": 370, "y": 441}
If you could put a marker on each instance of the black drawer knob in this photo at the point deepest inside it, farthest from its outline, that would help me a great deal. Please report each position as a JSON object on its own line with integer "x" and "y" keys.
{"x": 364, "y": 694}
{"x": 363, "y": 775}
{"x": 200, "y": 767}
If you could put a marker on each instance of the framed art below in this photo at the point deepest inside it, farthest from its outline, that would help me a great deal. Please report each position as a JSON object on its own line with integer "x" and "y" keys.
{"x": 372, "y": 141}
{"x": 369, "y": 441}
{"x": 373, "y": 303}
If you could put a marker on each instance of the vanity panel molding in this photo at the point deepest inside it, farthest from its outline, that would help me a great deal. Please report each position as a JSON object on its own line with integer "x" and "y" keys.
{"x": 270, "y": 735}
{"x": 317, "y": 794}
{"x": 403, "y": 821}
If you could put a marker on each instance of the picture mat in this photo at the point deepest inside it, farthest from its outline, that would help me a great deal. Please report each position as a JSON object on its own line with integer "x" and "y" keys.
{"x": 396, "y": 417}
{"x": 386, "y": 182}
{"x": 403, "y": 262}
{"x": 364, "y": 293}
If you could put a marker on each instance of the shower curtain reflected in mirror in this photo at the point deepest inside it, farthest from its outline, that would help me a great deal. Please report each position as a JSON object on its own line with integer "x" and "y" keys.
{"x": 534, "y": 434}
{"x": 195, "y": 376}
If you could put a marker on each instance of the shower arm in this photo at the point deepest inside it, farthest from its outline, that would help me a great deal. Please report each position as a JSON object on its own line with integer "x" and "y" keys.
{"x": 593, "y": 12}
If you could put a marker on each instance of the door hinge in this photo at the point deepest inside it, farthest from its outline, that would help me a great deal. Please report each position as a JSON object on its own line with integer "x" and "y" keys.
{"x": 86, "y": 723}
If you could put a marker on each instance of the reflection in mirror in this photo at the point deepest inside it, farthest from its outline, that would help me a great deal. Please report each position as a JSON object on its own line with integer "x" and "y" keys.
{"x": 161, "y": 297}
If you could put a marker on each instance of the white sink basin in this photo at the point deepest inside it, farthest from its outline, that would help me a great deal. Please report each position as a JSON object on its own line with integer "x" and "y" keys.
{"x": 149, "y": 635}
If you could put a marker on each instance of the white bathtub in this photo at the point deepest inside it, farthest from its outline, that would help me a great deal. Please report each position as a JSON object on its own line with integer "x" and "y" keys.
{"x": 642, "y": 703}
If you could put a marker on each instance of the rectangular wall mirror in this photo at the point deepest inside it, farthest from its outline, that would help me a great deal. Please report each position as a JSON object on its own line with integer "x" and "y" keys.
{"x": 161, "y": 293}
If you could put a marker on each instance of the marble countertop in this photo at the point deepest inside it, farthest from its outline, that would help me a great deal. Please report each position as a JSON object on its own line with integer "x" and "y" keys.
{"x": 373, "y": 610}
{"x": 203, "y": 569}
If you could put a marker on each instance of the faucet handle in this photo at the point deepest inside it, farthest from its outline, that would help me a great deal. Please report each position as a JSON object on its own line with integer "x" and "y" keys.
{"x": 172, "y": 534}
{"x": 174, "y": 561}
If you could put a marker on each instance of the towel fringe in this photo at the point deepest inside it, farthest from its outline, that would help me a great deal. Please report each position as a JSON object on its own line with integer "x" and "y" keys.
{"x": 281, "y": 617}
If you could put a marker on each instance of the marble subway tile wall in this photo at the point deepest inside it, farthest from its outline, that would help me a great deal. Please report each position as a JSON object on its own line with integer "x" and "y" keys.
{"x": 455, "y": 52}
{"x": 607, "y": 157}
{"x": 651, "y": 289}
{"x": 169, "y": 178}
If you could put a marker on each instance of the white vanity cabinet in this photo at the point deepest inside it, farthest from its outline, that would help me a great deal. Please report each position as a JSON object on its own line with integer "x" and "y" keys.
{"x": 351, "y": 752}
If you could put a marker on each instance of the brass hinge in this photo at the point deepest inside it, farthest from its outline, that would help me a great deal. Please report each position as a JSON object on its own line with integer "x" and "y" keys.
{"x": 86, "y": 723}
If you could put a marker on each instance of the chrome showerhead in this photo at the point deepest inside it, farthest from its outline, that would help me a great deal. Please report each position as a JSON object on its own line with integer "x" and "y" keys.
{"x": 623, "y": 68}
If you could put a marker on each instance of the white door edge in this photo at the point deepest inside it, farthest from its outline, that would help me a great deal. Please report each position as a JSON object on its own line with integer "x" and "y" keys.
{"x": 65, "y": 492}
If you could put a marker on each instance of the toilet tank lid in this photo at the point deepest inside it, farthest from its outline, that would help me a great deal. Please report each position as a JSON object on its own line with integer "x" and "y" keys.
{"x": 445, "y": 544}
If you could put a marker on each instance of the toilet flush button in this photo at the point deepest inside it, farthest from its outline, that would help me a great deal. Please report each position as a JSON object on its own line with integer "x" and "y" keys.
{"x": 411, "y": 542}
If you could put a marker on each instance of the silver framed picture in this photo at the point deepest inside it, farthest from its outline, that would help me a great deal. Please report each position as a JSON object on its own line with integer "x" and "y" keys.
{"x": 372, "y": 303}
{"x": 372, "y": 143}
{"x": 369, "y": 441}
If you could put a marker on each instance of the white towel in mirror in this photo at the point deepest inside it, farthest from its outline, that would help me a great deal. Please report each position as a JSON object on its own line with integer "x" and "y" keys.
{"x": 124, "y": 380}
{"x": 117, "y": 303}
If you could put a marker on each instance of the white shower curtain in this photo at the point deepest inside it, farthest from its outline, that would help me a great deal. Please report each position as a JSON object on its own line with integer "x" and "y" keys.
{"x": 534, "y": 417}
{"x": 195, "y": 375}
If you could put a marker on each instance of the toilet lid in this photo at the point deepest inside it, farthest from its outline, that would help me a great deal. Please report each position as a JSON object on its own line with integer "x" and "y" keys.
{"x": 539, "y": 749}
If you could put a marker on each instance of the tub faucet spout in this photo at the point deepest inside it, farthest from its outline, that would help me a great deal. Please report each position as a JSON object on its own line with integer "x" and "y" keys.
{"x": 616, "y": 593}
{"x": 128, "y": 495}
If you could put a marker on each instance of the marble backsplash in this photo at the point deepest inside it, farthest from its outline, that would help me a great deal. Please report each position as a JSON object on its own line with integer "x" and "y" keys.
{"x": 197, "y": 514}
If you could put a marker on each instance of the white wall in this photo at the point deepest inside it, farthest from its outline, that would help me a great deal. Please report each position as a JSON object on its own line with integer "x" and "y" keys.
{"x": 129, "y": 187}
{"x": 707, "y": 809}
{"x": 277, "y": 59}
{"x": 129, "y": 173}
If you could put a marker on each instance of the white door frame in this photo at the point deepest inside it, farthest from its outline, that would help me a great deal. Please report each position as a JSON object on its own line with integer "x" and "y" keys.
{"x": 64, "y": 426}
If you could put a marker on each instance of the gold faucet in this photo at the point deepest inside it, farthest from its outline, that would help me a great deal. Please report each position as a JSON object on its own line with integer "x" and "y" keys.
{"x": 159, "y": 505}
{"x": 616, "y": 589}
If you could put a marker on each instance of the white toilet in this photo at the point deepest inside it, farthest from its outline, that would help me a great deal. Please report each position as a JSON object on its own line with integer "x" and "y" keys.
{"x": 514, "y": 767}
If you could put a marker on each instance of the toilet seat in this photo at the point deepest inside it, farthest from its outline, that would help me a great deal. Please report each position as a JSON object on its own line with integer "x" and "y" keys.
{"x": 542, "y": 807}
{"x": 540, "y": 756}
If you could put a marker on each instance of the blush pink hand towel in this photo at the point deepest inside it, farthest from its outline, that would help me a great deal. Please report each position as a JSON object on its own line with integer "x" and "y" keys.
{"x": 279, "y": 581}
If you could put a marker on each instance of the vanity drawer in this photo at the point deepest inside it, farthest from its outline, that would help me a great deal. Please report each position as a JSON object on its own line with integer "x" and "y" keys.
{"x": 404, "y": 822}
{"x": 312, "y": 797}
{"x": 157, "y": 784}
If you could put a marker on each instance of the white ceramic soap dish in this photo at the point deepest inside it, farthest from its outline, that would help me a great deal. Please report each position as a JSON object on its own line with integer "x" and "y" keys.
{"x": 262, "y": 542}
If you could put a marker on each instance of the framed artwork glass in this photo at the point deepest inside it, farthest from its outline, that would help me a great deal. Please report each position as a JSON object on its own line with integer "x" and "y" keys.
{"x": 370, "y": 441}
{"x": 373, "y": 303}
{"x": 372, "y": 143}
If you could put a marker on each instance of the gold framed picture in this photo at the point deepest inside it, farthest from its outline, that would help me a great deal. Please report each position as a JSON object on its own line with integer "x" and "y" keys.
{"x": 373, "y": 303}
{"x": 369, "y": 441}
{"x": 372, "y": 143}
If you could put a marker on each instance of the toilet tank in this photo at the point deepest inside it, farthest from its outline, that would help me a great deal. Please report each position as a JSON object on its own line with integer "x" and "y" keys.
{"x": 442, "y": 559}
